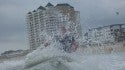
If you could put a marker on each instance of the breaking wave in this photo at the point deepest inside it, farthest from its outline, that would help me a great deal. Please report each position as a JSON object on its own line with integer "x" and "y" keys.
{"x": 53, "y": 57}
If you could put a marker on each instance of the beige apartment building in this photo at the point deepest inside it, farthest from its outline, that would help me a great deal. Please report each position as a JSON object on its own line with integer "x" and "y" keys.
{"x": 49, "y": 19}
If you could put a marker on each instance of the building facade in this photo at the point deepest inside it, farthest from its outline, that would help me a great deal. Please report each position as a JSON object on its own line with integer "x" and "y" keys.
{"x": 106, "y": 35}
{"x": 49, "y": 19}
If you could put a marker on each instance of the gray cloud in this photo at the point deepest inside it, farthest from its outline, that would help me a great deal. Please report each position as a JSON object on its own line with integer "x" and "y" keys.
{"x": 94, "y": 13}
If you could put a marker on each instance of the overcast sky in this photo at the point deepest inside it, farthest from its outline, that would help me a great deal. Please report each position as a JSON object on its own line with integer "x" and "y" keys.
{"x": 94, "y": 13}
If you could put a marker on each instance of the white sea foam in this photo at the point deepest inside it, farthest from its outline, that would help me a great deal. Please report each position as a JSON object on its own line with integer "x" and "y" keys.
{"x": 70, "y": 61}
{"x": 53, "y": 57}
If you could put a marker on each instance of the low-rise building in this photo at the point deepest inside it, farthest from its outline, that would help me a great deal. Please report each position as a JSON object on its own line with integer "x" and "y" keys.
{"x": 106, "y": 35}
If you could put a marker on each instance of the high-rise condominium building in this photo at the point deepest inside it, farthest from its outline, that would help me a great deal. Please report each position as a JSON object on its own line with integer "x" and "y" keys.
{"x": 49, "y": 19}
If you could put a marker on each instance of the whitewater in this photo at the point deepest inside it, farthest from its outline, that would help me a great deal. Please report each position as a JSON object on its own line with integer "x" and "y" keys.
{"x": 51, "y": 58}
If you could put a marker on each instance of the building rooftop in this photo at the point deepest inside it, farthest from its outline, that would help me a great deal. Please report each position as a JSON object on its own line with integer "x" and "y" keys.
{"x": 41, "y": 7}
{"x": 64, "y": 4}
{"x": 117, "y": 25}
{"x": 29, "y": 12}
{"x": 98, "y": 28}
{"x": 49, "y": 4}
{"x": 34, "y": 11}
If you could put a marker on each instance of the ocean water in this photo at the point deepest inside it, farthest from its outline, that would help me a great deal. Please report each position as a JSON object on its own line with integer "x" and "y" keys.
{"x": 54, "y": 59}
{"x": 88, "y": 62}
